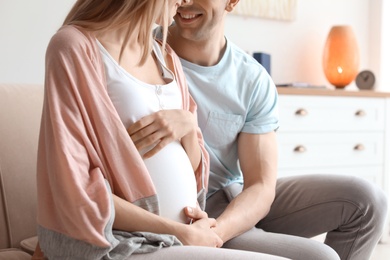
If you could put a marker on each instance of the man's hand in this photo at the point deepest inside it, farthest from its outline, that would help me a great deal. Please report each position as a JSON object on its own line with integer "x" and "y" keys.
{"x": 200, "y": 233}
{"x": 161, "y": 128}
{"x": 201, "y": 230}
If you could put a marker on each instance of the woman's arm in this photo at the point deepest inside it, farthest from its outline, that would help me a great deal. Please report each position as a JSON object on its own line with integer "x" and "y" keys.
{"x": 129, "y": 217}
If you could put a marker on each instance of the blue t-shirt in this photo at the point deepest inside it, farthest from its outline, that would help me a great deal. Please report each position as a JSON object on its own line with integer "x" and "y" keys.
{"x": 236, "y": 95}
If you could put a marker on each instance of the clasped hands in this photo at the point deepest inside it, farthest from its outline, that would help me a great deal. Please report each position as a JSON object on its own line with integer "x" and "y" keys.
{"x": 202, "y": 231}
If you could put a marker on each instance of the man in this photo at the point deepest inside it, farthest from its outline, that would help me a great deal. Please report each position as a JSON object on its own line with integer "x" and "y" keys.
{"x": 237, "y": 112}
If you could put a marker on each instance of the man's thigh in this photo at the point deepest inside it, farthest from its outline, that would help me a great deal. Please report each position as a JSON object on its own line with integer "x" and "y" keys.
{"x": 351, "y": 210}
{"x": 310, "y": 205}
{"x": 294, "y": 247}
{"x": 279, "y": 242}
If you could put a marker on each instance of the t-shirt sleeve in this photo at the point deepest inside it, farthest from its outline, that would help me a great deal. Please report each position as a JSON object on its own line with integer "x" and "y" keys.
{"x": 263, "y": 115}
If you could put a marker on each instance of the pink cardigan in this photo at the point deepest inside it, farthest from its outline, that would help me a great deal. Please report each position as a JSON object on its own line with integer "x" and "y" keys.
{"x": 85, "y": 152}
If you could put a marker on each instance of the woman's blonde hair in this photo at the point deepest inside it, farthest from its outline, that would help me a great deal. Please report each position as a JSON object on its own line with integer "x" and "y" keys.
{"x": 112, "y": 14}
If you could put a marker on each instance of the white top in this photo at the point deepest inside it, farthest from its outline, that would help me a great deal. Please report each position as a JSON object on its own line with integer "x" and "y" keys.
{"x": 170, "y": 169}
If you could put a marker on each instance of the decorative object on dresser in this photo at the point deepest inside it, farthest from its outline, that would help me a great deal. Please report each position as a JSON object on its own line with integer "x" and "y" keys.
{"x": 341, "y": 56}
{"x": 300, "y": 85}
{"x": 324, "y": 131}
{"x": 365, "y": 80}
{"x": 264, "y": 59}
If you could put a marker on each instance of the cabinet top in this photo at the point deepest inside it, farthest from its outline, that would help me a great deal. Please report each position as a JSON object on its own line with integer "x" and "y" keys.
{"x": 331, "y": 92}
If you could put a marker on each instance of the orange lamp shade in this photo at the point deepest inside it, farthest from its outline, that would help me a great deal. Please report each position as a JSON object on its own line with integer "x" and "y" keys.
{"x": 341, "y": 56}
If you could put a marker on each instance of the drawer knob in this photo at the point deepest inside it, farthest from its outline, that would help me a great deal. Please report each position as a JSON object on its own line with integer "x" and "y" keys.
{"x": 360, "y": 113}
{"x": 359, "y": 147}
{"x": 301, "y": 112}
{"x": 300, "y": 149}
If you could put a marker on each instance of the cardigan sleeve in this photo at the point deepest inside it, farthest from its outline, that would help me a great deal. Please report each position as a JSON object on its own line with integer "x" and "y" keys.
{"x": 84, "y": 151}
{"x": 71, "y": 186}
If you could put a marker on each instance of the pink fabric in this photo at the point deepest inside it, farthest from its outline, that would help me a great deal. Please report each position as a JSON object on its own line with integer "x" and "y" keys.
{"x": 83, "y": 143}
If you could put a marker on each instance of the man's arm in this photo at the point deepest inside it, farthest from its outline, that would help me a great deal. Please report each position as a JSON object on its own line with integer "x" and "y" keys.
{"x": 258, "y": 160}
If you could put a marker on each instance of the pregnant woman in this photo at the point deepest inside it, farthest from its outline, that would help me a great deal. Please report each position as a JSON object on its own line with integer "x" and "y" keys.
{"x": 105, "y": 191}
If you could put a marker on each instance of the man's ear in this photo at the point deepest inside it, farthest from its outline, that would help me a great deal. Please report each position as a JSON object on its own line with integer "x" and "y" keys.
{"x": 231, "y": 4}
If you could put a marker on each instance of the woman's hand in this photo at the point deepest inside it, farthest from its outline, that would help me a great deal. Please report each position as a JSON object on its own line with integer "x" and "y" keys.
{"x": 129, "y": 217}
{"x": 201, "y": 230}
{"x": 200, "y": 233}
{"x": 161, "y": 128}
{"x": 195, "y": 214}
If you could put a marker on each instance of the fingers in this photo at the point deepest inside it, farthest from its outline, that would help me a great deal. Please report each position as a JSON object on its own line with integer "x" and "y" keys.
{"x": 152, "y": 130}
{"x": 195, "y": 213}
{"x": 219, "y": 242}
{"x": 140, "y": 124}
{"x": 142, "y": 128}
{"x": 201, "y": 233}
{"x": 151, "y": 135}
{"x": 160, "y": 145}
{"x": 212, "y": 222}
{"x": 208, "y": 226}
{"x": 161, "y": 128}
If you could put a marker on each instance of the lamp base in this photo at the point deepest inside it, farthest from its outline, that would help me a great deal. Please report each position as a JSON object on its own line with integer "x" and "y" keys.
{"x": 340, "y": 87}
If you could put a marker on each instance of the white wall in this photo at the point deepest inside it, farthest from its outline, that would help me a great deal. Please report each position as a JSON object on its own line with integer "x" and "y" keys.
{"x": 26, "y": 27}
{"x": 384, "y": 79}
{"x": 296, "y": 47}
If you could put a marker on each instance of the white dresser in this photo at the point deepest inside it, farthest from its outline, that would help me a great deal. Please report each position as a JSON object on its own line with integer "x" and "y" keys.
{"x": 335, "y": 132}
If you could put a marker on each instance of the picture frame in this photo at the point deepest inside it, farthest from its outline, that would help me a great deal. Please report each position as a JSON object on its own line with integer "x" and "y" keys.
{"x": 269, "y": 9}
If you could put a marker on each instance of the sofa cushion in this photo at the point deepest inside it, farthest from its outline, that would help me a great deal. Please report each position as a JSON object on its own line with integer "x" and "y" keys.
{"x": 28, "y": 245}
{"x": 20, "y": 113}
{"x": 13, "y": 254}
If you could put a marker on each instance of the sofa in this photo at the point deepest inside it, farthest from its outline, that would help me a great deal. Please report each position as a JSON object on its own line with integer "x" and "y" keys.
{"x": 20, "y": 113}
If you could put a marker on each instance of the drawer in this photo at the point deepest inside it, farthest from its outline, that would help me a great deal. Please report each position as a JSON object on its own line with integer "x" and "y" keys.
{"x": 370, "y": 173}
{"x": 331, "y": 149}
{"x": 321, "y": 113}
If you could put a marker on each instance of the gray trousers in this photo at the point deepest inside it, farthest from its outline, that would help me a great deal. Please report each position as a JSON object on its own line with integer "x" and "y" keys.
{"x": 350, "y": 210}
{"x": 203, "y": 253}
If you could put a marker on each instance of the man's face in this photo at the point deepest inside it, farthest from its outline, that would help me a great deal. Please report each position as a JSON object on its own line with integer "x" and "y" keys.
{"x": 202, "y": 19}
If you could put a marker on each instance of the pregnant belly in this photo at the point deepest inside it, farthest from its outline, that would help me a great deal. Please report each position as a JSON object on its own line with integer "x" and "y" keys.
{"x": 174, "y": 180}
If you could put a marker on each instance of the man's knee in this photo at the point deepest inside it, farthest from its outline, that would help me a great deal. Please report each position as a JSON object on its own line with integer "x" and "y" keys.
{"x": 372, "y": 200}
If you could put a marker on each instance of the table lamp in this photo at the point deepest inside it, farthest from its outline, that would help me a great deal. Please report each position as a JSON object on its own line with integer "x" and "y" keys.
{"x": 341, "y": 56}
